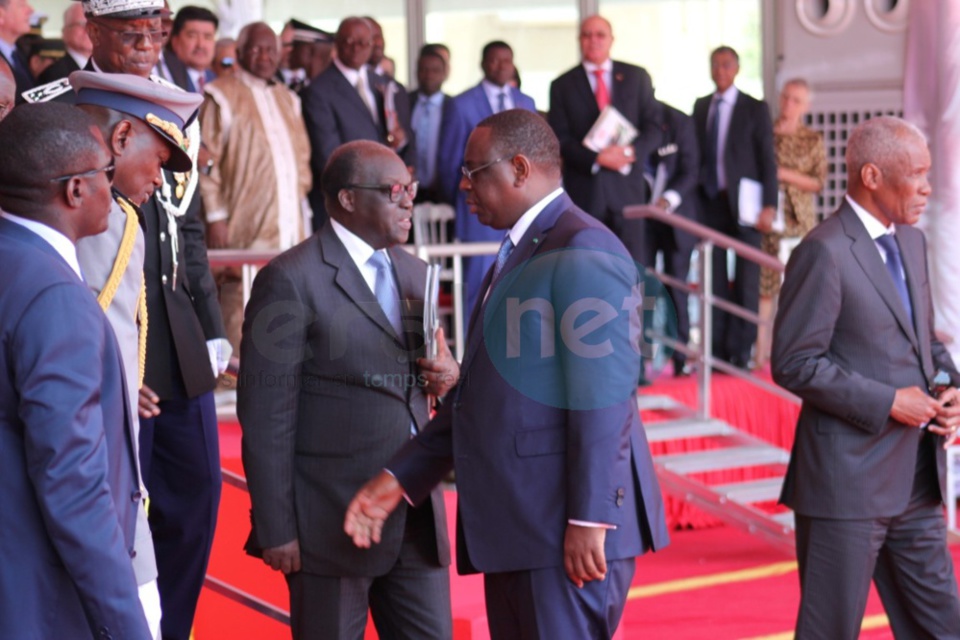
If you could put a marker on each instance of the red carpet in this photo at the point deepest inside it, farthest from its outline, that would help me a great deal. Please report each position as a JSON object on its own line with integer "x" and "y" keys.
{"x": 711, "y": 582}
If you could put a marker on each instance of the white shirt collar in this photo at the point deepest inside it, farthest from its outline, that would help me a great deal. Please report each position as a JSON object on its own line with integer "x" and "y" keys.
{"x": 874, "y": 227}
{"x": 435, "y": 99}
{"x": 520, "y": 227}
{"x": 350, "y": 74}
{"x": 78, "y": 57}
{"x": 60, "y": 243}
{"x": 730, "y": 95}
{"x": 606, "y": 66}
{"x": 7, "y": 50}
{"x": 493, "y": 91}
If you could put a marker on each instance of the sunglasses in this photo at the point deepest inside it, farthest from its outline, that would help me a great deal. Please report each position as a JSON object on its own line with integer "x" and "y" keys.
{"x": 108, "y": 170}
{"x": 394, "y": 191}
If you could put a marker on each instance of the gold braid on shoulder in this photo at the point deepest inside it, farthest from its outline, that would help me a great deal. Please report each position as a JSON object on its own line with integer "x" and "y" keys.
{"x": 105, "y": 298}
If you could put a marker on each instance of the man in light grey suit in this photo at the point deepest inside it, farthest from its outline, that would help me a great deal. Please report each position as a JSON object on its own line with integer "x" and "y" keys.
{"x": 330, "y": 387}
{"x": 854, "y": 338}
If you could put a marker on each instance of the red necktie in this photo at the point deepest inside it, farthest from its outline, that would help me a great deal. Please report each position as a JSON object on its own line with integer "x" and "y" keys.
{"x": 603, "y": 96}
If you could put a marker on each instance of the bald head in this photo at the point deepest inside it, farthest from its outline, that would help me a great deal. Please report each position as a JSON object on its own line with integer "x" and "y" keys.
{"x": 345, "y": 166}
{"x": 354, "y": 42}
{"x": 518, "y": 131}
{"x": 596, "y": 38}
{"x": 8, "y": 89}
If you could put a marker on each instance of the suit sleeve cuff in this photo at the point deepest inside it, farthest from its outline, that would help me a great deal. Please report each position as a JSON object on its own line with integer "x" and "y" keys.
{"x": 592, "y": 525}
{"x": 405, "y": 496}
{"x": 217, "y": 215}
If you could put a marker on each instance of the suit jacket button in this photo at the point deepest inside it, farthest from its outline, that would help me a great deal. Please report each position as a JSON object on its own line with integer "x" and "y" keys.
{"x": 457, "y": 404}
{"x": 133, "y": 553}
{"x": 619, "y": 501}
{"x": 402, "y": 359}
{"x": 136, "y": 496}
{"x": 163, "y": 236}
{"x": 621, "y": 492}
{"x": 163, "y": 279}
{"x": 105, "y": 633}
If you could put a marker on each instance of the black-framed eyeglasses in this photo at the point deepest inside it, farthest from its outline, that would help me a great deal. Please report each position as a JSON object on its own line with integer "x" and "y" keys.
{"x": 131, "y": 38}
{"x": 394, "y": 191}
{"x": 469, "y": 173}
{"x": 108, "y": 170}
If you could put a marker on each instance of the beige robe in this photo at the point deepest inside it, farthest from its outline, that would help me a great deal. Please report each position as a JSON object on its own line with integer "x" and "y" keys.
{"x": 260, "y": 176}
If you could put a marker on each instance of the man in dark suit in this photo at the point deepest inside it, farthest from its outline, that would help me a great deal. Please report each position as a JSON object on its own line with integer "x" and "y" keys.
{"x": 347, "y": 102}
{"x": 66, "y": 440}
{"x": 77, "y": 43}
{"x": 187, "y": 58}
{"x": 493, "y": 95}
{"x": 854, "y": 338}
{"x": 15, "y": 22}
{"x": 429, "y": 108}
{"x": 736, "y": 144}
{"x": 556, "y": 489}
{"x": 179, "y": 441}
{"x": 674, "y": 168}
{"x": 603, "y": 183}
{"x": 330, "y": 387}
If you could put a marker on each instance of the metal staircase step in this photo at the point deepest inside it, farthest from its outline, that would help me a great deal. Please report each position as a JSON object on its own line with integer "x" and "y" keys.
{"x": 751, "y": 491}
{"x": 659, "y": 403}
{"x": 686, "y": 428}
{"x": 727, "y": 458}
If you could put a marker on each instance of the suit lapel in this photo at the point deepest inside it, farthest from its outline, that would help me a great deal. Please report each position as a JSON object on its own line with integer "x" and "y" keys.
{"x": 531, "y": 242}
{"x": 352, "y": 95}
{"x": 586, "y": 95}
{"x": 865, "y": 251}
{"x": 911, "y": 254}
{"x": 350, "y": 280}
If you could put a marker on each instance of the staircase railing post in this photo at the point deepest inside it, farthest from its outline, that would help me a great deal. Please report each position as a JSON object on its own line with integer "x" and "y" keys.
{"x": 705, "y": 371}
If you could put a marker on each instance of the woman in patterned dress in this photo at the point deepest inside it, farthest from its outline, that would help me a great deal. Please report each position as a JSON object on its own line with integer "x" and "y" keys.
{"x": 802, "y": 167}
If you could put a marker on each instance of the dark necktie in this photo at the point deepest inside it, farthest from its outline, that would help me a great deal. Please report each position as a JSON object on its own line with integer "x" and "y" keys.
{"x": 425, "y": 160}
{"x": 895, "y": 269}
{"x": 502, "y": 101}
{"x": 505, "y": 249}
{"x": 385, "y": 289}
{"x": 711, "y": 181}
{"x": 601, "y": 92}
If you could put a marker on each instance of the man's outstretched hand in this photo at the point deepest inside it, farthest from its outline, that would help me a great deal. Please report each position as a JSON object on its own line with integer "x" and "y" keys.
{"x": 370, "y": 508}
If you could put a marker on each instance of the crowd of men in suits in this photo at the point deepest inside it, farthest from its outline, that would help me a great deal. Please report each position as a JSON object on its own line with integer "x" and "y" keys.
{"x": 121, "y": 194}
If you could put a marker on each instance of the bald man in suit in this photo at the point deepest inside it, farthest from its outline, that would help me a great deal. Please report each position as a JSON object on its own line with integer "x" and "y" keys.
{"x": 854, "y": 338}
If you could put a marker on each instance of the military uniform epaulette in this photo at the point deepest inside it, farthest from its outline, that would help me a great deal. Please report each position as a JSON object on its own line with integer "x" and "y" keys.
{"x": 48, "y": 91}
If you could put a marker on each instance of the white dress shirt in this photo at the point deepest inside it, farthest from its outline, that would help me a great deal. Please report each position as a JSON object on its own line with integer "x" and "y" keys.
{"x": 359, "y": 251}
{"x": 353, "y": 76}
{"x": 874, "y": 227}
{"x": 728, "y": 100}
{"x": 493, "y": 96}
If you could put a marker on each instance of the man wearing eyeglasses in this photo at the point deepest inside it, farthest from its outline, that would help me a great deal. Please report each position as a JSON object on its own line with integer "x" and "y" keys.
{"x": 186, "y": 345}
{"x": 256, "y": 188}
{"x": 67, "y": 445}
{"x": 77, "y": 44}
{"x": 331, "y": 384}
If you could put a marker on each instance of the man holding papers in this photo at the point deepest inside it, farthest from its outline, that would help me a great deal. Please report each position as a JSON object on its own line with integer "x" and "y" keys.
{"x": 738, "y": 185}
{"x": 330, "y": 388}
{"x": 599, "y": 173}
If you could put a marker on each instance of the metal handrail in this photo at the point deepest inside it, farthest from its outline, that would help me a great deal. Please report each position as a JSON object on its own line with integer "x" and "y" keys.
{"x": 250, "y": 261}
{"x": 710, "y": 240}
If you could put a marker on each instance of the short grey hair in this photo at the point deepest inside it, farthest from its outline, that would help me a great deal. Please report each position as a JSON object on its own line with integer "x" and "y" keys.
{"x": 878, "y": 141}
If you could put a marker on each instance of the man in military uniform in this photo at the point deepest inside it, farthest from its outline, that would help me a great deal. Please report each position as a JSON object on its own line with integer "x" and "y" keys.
{"x": 180, "y": 459}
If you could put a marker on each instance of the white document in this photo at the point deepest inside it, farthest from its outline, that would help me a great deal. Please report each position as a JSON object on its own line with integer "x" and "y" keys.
{"x": 751, "y": 203}
{"x": 431, "y": 311}
{"x": 611, "y": 128}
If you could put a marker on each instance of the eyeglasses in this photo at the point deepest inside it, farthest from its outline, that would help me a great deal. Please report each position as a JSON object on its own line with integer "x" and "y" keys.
{"x": 256, "y": 52}
{"x": 468, "y": 173}
{"x": 131, "y": 38}
{"x": 108, "y": 170}
{"x": 394, "y": 191}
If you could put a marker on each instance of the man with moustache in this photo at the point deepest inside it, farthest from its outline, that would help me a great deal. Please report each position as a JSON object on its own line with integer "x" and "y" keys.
{"x": 187, "y": 58}
{"x": 179, "y": 447}
{"x": 338, "y": 320}
{"x": 67, "y": 446}
{"x": 854, "y": 338}
{"x": 556, "y": 489}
